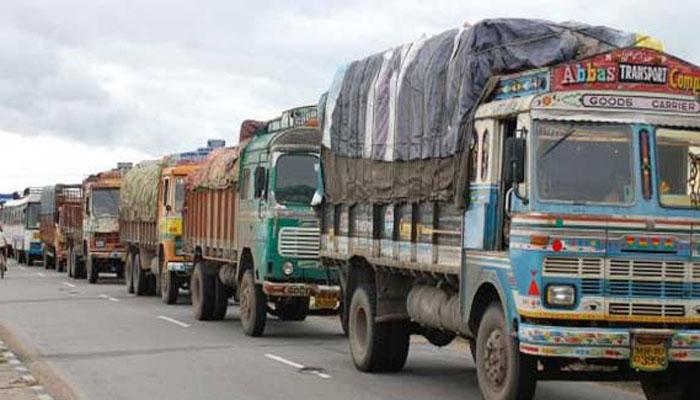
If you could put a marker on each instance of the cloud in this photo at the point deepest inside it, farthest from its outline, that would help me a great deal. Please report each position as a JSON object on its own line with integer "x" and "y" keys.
{"x": 162, "y": 76}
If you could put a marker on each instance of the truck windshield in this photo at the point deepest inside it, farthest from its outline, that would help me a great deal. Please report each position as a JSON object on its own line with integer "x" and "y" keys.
{"x": 296, "y": 179}
{"x": 33, "y": 215}
{"x": 584, "y": 163}
{"x": 179, "y": 194}
{"x": 105, "y": 202}
{"x": 678, "y": 153}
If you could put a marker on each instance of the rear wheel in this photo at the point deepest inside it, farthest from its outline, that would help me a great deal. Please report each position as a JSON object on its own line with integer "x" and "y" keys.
{"x": 140, "y": 279}
{"x": 222, "y": 294}
{"x": 292, "y": 308}
{"x": 129, "y": 272}
{"x": 375, "y": 346}
{"x": 91, "y": 268}
{"x": 503, "y": 373}
{"x": 46, "y": 260}
{"x": 203, "y": 292}
{"x": 170, "y": 287}
{"x": 253, "y": 306}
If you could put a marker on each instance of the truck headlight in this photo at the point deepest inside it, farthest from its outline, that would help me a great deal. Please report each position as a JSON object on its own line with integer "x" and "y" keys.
{"x": 561, "y": 295}
{"x": 288, "y": 268}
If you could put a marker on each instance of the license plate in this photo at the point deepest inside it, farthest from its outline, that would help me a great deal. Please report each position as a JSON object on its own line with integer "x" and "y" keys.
{"x": 326, "y": 301}
{"x": 649, "y": 353}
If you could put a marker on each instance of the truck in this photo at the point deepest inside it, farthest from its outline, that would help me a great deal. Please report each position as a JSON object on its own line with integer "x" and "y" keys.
{"x": 55, "y": 200}
{"x": 529, "y": 187}
{"x": 150, "y": 226}
{"x": 96, "y": 246}
{"x": 20, "y": 222}
{"x": 251, "y": 230}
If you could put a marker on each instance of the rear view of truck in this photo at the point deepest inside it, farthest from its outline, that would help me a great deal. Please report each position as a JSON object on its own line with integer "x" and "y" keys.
{"x": 55, "y": 203}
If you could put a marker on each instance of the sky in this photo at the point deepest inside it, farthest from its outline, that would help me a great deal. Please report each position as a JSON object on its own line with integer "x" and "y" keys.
{"x": 86, "y": 84}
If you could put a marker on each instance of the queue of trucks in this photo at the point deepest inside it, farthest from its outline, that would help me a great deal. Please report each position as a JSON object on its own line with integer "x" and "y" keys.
{"x": 538, "y": 198}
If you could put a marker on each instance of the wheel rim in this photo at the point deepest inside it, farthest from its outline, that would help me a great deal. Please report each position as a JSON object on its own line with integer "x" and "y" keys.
{"x": 495, "y": 364}
{"x": 361, "y": 326}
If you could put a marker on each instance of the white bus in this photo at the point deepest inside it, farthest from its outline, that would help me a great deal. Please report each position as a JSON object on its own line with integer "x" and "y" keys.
{"x": 20, "y": 222}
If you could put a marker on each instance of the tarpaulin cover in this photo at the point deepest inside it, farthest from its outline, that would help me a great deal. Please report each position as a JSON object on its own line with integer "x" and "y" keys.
{"x": 218, "y": 171}
{"x": 138, "y": 197}
{"x": 395, "y": 123}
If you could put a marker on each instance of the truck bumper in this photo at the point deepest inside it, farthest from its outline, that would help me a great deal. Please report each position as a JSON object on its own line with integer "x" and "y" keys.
{"x": 109, "y": 255}
{"x": 325, "y": 296}
{"x": 601, "y": 343}
{"x": 184, "y": 267}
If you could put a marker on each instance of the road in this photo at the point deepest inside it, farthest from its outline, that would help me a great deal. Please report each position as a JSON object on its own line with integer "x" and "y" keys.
{"x": 98, "y": 342}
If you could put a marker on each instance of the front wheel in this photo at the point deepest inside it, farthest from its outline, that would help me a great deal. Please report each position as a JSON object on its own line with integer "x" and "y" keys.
{"x": 202, "y": 292}
{"x": 502, "y": 371}
{"x": 253, "y": 306}
{"x": 375, "y": 346}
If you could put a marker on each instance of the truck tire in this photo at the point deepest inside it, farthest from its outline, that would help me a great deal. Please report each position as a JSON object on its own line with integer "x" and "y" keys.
{"x": 676, "y": 383}
{"x": 203, "y": 292}
{"x": 139, "y": 276}
{"x": 170, "y": 287}
{"x": 503, "y": 373}
{"x": 253, "y": 306}
{"x": 375, "y": 346}
{"x": 292, "y": 308}
{"x": 45, "y": 260}
{"x": 222, "y": 294}
{"x": 69, "y": 262}
{"x": 129, "y": 272}
{"x": 91, "y": 269}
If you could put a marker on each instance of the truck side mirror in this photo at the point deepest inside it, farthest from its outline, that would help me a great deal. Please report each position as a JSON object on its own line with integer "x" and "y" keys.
{"x": 260, "y": 181}
{"x": 515, "y": 159}
{"x": 514, "y": 173}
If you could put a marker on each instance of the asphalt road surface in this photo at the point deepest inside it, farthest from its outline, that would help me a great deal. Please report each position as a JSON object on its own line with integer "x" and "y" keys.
{"x": 98, "y": 342}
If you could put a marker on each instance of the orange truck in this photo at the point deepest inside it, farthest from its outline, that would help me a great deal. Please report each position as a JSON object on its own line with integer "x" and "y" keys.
{"x": 96, "y": 247}
{"x": 150, "y": 224}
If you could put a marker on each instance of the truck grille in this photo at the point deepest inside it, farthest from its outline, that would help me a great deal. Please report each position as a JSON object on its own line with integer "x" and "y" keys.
{"x": 299, "y": 242}
{"x": 646, "y": 309}
{"x": 655, "y": 270}
{"x": 574, "y": 267}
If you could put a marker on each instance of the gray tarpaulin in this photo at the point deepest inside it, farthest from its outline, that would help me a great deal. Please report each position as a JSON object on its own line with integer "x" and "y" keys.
{"x": 394, "y": 123}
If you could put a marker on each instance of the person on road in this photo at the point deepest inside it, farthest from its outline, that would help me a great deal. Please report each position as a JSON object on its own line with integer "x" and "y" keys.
{"x": 3, "y": 254}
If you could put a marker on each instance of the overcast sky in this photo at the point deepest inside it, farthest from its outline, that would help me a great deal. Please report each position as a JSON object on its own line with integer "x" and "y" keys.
{"x": 84, "y": 84}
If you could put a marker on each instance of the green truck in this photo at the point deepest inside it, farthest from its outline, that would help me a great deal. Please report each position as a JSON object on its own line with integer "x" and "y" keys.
{"x": 250, "y": 228}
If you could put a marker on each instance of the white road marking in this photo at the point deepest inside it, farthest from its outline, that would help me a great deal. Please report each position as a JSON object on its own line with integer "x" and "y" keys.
{"x": 41, "y": 274}
{"x": 104, "y": 296}
{"x": 295, "y": 365}
{"x": 174, "y": 321}
{"x": 68, "y": 284}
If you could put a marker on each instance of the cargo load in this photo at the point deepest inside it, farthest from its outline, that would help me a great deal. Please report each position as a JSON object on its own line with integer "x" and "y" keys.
{"x": 395, "y": 124}
{"x": 139, "y": 192}
{"x": 219, "y": 171}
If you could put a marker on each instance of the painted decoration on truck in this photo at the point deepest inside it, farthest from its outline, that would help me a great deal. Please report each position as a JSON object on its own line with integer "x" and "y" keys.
{"x": 631, "y": 69}
{"x": 521, "y": 85}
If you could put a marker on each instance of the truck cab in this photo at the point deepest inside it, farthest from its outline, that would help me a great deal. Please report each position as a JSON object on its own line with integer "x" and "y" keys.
{"x": 584, "y": 184}
{"x": 280, "y": 176}
{"x": 102, "y": 249}
{"x": 177, "y": 266}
